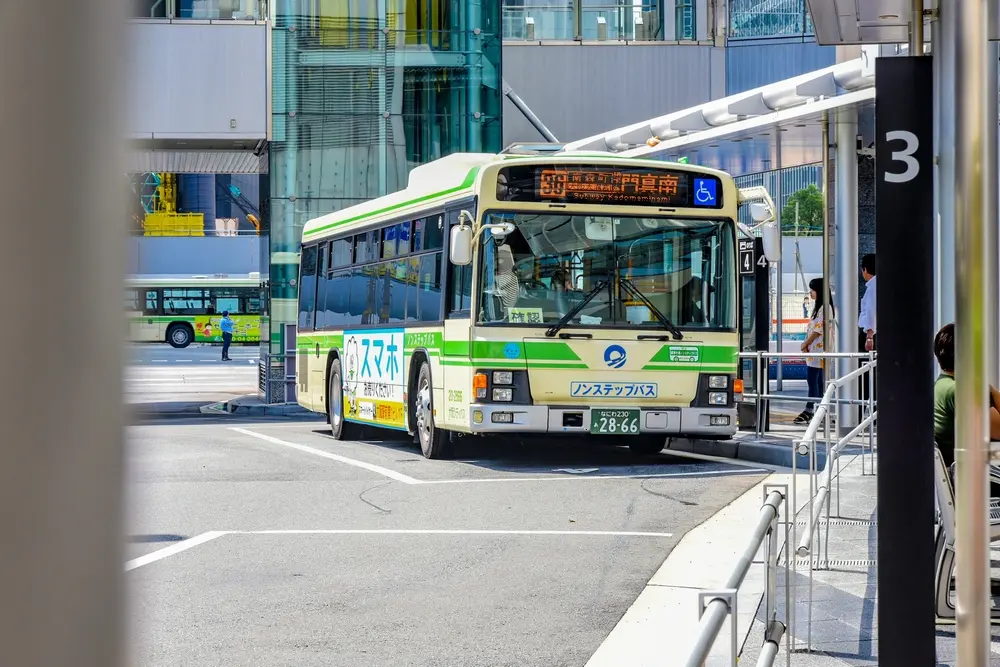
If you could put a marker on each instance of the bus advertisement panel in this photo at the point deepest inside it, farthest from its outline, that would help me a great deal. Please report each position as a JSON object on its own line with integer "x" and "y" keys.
{"x": 208, "y": 330}
{"x": 373, "y": 377}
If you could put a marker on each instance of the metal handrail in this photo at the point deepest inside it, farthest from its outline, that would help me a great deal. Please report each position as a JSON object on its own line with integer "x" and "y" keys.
{"x": 826, "y": 478}
{"x": 719, "y": 607}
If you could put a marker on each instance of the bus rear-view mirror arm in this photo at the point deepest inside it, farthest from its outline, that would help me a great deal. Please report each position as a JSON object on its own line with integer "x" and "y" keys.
{"x": 463, "y": 237}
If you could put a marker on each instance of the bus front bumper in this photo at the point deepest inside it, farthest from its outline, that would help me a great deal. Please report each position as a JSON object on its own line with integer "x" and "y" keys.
{"x": 500, "y": 418}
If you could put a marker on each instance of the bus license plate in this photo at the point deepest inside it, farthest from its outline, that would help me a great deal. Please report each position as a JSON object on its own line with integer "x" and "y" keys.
{"x": 614, "y": 422}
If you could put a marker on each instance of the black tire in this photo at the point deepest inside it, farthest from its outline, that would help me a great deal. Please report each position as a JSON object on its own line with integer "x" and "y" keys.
{"x": 648, "y": 445}
{"x": 180, "y": 335}
{"x": 435, "y": 443}
{"x": 341, "y": 428}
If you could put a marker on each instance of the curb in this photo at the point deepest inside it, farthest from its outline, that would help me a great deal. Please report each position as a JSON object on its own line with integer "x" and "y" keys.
{"x": 769, "y": 452}
{"x": 236, "y": 407}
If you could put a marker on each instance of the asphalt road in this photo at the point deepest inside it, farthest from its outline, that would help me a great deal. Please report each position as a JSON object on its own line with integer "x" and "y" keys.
{"x": 365, "y": 554}
{"x": 163, "y": 379}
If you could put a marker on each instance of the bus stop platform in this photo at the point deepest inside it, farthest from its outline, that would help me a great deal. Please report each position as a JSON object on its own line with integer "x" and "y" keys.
{"x": 844, "y": 620}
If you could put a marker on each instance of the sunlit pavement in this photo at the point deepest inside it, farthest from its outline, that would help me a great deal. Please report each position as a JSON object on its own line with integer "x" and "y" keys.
{"x": 273, "y": 544}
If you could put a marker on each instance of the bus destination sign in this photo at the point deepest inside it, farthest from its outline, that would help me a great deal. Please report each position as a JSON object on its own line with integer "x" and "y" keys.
{"x": 609, "y": 185}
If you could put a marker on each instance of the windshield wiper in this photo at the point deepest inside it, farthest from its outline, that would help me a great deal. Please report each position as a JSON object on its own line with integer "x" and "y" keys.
{"x": 667, "y": 324}
{"x": 564, "y": 320}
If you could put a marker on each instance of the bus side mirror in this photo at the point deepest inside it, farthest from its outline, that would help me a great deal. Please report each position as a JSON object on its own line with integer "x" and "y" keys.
{"x": 460, "y": 244}
{"x": 770, "y": 237}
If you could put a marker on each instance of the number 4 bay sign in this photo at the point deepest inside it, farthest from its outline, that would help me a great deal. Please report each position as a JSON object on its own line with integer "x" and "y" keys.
{"x": 374, "y": 382}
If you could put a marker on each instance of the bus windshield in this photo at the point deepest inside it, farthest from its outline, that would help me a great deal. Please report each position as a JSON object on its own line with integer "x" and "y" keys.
{"x": 651, "y": 273}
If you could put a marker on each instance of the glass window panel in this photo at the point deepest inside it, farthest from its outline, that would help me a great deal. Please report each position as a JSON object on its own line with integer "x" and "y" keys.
{"x": 366, "y": 246}
{"x": 424, "y": 297}
{"x": 322, "y": 319}
{"x": 389, "y": 242}
{"x": 343, "y": 253}
{"x": 338, "y": 300}
{"x": 553, "y": 262}
{"x": 185, "y": 301}
{"x": 364, "y": 290}
{"x": 152, "y": 305}
{"x": 428, "y": 233}
{"x": 460, "y": 288}
{"x": 132, "y": 299}
{"x": 307, "y": 288}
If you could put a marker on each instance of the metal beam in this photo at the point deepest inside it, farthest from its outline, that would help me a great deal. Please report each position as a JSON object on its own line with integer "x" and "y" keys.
{"x": 374, "y": 59}
{"x": 527, "y": 112}
{"x": 972, "y": 332}
{"x": 846, "y": 254}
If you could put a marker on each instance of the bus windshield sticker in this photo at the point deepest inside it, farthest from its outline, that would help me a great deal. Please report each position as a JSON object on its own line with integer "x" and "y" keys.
{"x": 525, "y": 315}
{"x": 373, "y": 377}
{"x": 613, "y": 389}
{"x": 685, "y": 354}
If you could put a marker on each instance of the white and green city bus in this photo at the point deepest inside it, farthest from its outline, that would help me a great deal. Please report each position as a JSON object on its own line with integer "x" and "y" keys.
{"x": 571, "y": 293}
{"x": 187, "y": 309}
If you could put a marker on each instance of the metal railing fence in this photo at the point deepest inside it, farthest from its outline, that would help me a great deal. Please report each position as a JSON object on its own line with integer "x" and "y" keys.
{"x": 716, "y": 605}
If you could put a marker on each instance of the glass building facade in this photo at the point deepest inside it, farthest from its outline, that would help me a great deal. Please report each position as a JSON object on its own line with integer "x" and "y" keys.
{"x": 750, "y": 19}
{"x": 363, "y": 91}
{"x": 591, "y": 20}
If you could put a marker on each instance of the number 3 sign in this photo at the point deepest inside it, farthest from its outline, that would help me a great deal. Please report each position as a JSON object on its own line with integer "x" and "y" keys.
{"x": 912, "y": 167}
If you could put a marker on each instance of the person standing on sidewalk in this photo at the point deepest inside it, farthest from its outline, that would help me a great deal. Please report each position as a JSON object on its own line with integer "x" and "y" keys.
{"x": 868, "y": 328}
{"x": 815, "y": 366}
{"x": 866, "y": 319}
{"x": 227, "y": 325}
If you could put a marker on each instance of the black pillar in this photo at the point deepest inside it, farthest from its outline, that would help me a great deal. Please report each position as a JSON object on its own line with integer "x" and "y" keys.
{"x": 904, "y": 233}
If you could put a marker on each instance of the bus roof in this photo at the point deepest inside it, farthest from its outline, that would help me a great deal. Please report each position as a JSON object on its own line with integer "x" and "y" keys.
{"x": 454, "y": 176}
{"x": 242, "y": 280}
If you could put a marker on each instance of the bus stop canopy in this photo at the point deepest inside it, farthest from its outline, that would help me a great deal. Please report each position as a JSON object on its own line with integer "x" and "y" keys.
{"x": 778, "y": 125}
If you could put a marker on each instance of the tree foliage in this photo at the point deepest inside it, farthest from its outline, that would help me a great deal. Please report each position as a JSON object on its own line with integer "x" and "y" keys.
{"x": 810, "y": 214}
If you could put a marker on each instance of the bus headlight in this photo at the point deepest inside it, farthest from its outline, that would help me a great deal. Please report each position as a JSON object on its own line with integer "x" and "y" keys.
{"x": 718, "y": 398}
{"x": 503, "y": 394}
{"x": 718, "y": 381}
{"x": 503, "y": 377}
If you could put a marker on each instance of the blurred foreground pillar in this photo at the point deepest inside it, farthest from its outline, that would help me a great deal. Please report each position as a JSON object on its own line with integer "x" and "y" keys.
{"x": 62, "y": 188}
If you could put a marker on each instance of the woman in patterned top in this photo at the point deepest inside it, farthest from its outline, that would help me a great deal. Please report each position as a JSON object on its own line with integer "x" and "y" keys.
{"x": 815, "y": 366}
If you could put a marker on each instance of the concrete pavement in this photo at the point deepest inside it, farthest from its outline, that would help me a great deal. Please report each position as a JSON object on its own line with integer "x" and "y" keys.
{"x": 274, "y": 544}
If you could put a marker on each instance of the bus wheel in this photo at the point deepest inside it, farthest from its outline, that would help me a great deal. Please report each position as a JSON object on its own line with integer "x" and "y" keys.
{"x": 342, "y": 429}
{"x": 648, "y": 445}
{"x": 180, "y": 336}
{"x": 434, "y": 442}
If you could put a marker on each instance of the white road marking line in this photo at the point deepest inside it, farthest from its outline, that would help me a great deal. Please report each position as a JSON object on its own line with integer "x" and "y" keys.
{"x": 379, "y": 470}
{"x": 578, "y": 478}
{"x": 160, "y": 554}
{"x": 401, "y": 531}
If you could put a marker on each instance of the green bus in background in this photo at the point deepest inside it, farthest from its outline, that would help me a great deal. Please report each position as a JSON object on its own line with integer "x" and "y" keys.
{"x": 187, "y": 309}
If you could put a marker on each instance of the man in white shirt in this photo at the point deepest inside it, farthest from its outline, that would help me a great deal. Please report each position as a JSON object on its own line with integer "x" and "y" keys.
{"x": 867, "y": 327}
{"x": 866, "y": 320}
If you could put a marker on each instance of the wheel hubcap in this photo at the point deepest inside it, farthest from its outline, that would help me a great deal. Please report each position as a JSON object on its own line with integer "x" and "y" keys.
{"x": 336, "y": 403}
{"x": 422, "y": 408}
{"x": 179, "y": 336}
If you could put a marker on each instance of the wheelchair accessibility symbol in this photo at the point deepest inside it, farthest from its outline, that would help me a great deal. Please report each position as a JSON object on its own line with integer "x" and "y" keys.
{"x": 705, "y": 192}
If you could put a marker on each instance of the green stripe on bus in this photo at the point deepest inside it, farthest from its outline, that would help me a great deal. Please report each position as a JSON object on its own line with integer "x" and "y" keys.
{"x": 470, "y": 178}
{"x": 495, "y": 363}
{"x": 691, "y": 368}
{"x": 707, "y": 354}
{"x": 486, "y": 350}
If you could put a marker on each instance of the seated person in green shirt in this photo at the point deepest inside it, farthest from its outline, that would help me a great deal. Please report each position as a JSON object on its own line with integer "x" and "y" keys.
{"x": 944, "y": 398}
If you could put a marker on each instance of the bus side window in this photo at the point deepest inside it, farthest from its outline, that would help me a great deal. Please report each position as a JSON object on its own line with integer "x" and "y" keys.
{"x": 460, "y": 291}
{"x": 152, "y": 304}
{"x": 132, "y": 300}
